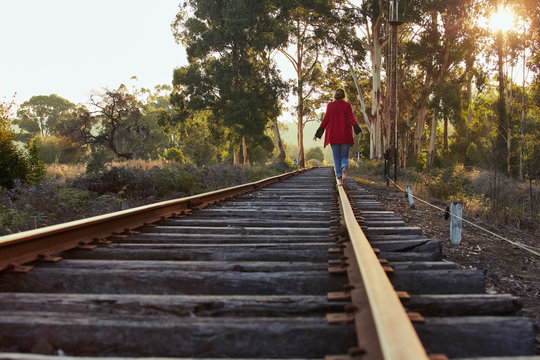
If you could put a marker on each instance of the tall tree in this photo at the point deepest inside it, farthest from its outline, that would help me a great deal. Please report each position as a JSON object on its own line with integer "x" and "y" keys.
{"x": 439, "y": 42}
{"x": 42, "y": 115}
{"x": 226, "y": 43}
{"x": 348, "y": 51}
{"x": 114, "y": 120}
{"x": 303, "y": 53}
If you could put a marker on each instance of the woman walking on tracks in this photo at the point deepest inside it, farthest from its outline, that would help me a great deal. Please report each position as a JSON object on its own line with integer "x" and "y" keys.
{"x": 338, "y": 122}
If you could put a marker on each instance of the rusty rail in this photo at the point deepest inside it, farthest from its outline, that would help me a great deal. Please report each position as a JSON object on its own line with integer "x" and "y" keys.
{"x": 395, "y": 334}
{"x": 43, "y": 243}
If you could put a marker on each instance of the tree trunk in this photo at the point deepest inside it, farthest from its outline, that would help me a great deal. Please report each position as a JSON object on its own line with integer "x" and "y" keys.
{"x": 445, "y": 133}
{"x": 386, "y": 120}
{"x": 236, "y": 155}
{"x": 501, "y": 106}
{"x": 509, "y": 99}
{"x": 432, "y": 142}
{"x": 301, "y": 161}
{"x": 279, "y": 142}
{"x": 300, "y": 109}
{"x": 376, "y": 61}
{"x": 470, "y": 108}
{"x": 522, "y": 147}
{"x": 245, "y": 152}
{"x": 531, "y": 197}
{"x": 509, "y": 151}
{"x": 420, "y": 121}
{"x": 361, "y": 97}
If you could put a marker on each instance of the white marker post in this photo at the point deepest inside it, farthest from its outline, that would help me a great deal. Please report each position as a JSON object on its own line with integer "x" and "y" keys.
{"x": 456, "y": 223}
{"x": 410, "y": 196}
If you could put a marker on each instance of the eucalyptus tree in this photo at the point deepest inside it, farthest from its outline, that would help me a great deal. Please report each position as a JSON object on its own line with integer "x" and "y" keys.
{"x": 445, "y": 104}
{"x": 226, "y": 44}
{"x": 42, "y": 115}
{"x": 304, "y": 51}
{"x": 347, "y": 51}
{"x": 438, "y": 40}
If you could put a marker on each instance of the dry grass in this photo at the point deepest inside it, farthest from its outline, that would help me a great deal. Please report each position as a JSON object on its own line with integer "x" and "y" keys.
{"x": 63, "y": 172}
{"x": 498, "y": 199}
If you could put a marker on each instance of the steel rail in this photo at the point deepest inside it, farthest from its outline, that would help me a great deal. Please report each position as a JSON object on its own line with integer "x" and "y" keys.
{"x": 396, "y": 334}
{"x": 24, "y": 247}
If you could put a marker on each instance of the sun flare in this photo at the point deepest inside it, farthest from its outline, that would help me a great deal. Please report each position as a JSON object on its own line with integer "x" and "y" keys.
{"x": 502, "y": 20}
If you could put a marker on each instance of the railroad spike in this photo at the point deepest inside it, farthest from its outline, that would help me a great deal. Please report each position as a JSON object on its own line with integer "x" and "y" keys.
{"x": 403, "y": 295}
{"x": 49, "y": 258}
{"x": 339, "y": 296}
{"x": 348, "y": 287}
{"x": 337, "y": 270}
{"x": 416, "y": 317}
{"x": 338, "y": 318}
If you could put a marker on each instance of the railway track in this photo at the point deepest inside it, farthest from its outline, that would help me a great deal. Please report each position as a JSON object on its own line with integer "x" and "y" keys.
{"x": 281, "y": 268}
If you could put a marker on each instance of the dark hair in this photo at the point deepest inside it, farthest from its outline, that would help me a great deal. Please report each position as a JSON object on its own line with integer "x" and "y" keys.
{"x": 339, "y": 94}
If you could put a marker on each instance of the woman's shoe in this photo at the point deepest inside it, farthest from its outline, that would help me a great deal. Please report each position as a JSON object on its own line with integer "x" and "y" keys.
{"x": 344, "y": 171}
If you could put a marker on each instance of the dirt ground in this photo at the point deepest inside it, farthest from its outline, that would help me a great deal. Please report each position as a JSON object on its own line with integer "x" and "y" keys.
{"x": 508, "y": 268}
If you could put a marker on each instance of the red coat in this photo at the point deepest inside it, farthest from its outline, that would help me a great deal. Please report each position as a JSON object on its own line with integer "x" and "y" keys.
{"x": 338, "y": 122}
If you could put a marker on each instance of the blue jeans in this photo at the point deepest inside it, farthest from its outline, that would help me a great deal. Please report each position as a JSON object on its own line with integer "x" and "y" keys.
{"x": 341, "y": 157}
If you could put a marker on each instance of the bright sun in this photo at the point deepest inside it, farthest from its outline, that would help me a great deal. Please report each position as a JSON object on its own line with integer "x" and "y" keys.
{"x": 502, "y": 20}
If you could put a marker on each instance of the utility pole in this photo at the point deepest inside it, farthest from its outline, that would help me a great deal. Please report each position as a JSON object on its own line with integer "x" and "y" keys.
{"x": 394, "y": 20}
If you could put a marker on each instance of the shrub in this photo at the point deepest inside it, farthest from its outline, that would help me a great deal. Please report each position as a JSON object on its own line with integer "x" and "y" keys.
{"x": 59, "y": 150}
{"x": 115, "y": 188}
{"x": 15, "y": 164}
{"x": 223, "y": 175}
{"x": 176, "y": 180}
{"x": 175, "y": 154}
{"x": 315, "y": 153}
{"x": 96, "y": 161}
{"x": 125, "y": 182}
{"x": 11, "y": 220}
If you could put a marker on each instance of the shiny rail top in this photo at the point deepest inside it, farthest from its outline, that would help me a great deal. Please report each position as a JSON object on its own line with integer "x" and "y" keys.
{"x": 396, "y": 334}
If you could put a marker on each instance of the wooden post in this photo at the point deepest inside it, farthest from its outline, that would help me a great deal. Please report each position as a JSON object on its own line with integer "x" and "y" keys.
{"x": 410, "y": 196}
{"x": 455, "y": 222}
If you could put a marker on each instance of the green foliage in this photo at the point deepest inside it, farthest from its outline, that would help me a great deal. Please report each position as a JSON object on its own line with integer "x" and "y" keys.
{"x": 315, "y": 153}
{"x": 25, "y": 206}
{"x": 15, "y": 163}
{"x": 11, "y": 220}
{"x": 449, "y": 184}
{"x": 367, "y": 167}
{"x": 256, "y": 173}
{"x": 53, "y": 149}
{"x": 229, "y": 73}
{"x": 96, "y": 161}
{"x": 122, "y": 181}
{"x": 175, "y": 155}
{"x": 261, "y": 151}
{"x": 118, "y": 123}
{"x": 175, "y": 180}
{"x": 43, "y": 115}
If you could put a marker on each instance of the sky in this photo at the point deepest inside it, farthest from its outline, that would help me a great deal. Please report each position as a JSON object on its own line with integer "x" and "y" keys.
{"x": 73, "y": 47}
